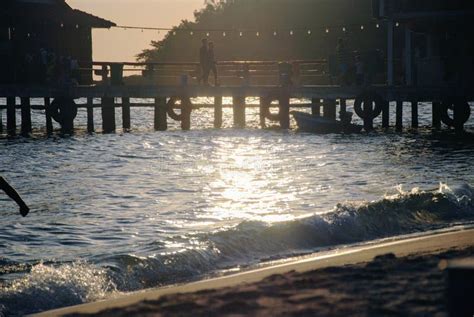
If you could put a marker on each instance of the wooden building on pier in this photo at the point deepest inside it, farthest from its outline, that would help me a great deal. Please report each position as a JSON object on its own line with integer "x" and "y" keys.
{"x": 437, "y": 41}
{"x": 28, "y": 27}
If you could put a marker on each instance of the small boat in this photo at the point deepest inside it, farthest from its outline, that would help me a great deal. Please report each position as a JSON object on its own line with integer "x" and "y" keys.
{"x": 309, "y": 123}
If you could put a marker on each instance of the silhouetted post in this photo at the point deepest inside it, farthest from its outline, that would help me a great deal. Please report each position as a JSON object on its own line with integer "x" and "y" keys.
{"x": 399, "y": 118}
{"x": 11, "y": 116}
{"x": 90, "y": 115}
{"x": 414, "y": 114}
{"x": 296, "y": 73}
{"x": 1, "y": 122}
{"x": 161, "y": 114}
{"x": 239, "y": 111}
{"x": 49, "y": 120}
{"x": 316, "y": 107}
{"x": 436, "y": 115}
{"x": 329, "y": 109}
{"x": 108, "y": 106}
{"x": 263, "y": 120}
{"x": 25, "y": 116}
{"x": 386, "y": 115}
{"x": 368, "y": 119}
{"x": 126, "y": 114}
{"x": 218, "y": 112}
{"x": 284, "y": 110}
{"x": 108, "y": 115}
{"x": 343, "y": 107}
{"x": 458, "y": 126}
{"x": 186, "y": 109}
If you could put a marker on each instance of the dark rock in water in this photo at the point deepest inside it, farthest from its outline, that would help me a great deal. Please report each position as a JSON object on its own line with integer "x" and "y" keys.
{"x": 385, "y": 257}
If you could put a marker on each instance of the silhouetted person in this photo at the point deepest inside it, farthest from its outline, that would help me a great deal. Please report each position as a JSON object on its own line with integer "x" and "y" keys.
{"x": 212, "y": 62}
{"x": 343, "y": 58}
{"x": 204, "y": 60}
{"x": 11, "y": 192}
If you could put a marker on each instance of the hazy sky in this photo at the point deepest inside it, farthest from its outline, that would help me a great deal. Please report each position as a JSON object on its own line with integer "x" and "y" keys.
{"x": 122, "y": 45}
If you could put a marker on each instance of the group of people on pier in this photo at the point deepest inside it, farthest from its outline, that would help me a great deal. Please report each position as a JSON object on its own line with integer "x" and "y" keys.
{"x": 45, "y": 67}
{"x": 208, "y": 62}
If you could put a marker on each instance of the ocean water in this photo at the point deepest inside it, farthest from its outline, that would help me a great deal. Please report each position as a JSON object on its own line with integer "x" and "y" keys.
{"x": 127, "y": 211}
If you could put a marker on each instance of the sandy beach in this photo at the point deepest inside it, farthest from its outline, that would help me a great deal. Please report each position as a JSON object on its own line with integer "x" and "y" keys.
{"x": 398, "y": 278}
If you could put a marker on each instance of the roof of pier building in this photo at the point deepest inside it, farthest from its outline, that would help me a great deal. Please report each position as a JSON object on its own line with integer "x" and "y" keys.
{"x": 48, "y": 12}
{"x": 419, "y": 9}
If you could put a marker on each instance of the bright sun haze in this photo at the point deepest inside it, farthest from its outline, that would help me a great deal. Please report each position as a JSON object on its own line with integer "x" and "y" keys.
{"x": 120, "y": 45}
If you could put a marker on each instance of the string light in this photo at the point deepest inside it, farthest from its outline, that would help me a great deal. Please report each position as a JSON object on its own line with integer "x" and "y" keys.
{"x": 257, "y": 34}
{"x": 240, "y": 34}
{"x": 62, "y": 25}
{"x": 377, "y": 25}
{"x": 224, "y": 34}
{"x": 344, "y": 29}
{"x": 275, "y": 33}
{"x": 174, "y": 32}
{"x": 77, "y": 26}
{"x": 327, "y": 30}
{"x": 207, "y": 34}
{"x": 191, "y": 33}
{"x": 397, "y": 24}
{"x": 309, "y": 32}
{"x": 291, "y": 33}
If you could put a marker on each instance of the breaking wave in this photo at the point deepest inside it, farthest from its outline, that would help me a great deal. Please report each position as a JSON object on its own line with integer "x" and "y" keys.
{"x": 50, "y": 286}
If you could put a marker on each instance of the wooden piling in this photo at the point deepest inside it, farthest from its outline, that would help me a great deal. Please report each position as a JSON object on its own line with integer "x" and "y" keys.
{"x": 239, "y": 111}
{"x": 218, "y": 112}
{"x": 386, "y": 115}
{"x": 49, "y": 120}
{"x": 108, "y": 115}
{"x": 126, "y": 114}
{"x": 25, "y": 116}
{"x": 368, "y": 115}
{"x": 11, "y": 116}
{"x": 186, "y": 110}
{"x": 284, "y": 110}
{"x": 399, "y": 116}
{"x": 436, "y": 106}
{"x": 414, "y": 114}
{"x": 161, "y": 114}
{"x": 329, "y": 109}
{"x": 343, "y": 107}
{"x": 316, "y": 107}
{"x": 90, "y": 115}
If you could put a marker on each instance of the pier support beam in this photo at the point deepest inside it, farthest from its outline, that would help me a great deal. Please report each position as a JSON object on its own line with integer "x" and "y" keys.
{"x": 11, "y": 116}
{"x": 126, "y": 114}
{"x": 316, "y": 107}
{"x": 239, "y": 111}
{"x": 284, "y": 110}
{"x": 90, "y": 115}
{"x": 386, "y": 115}
{"x": 161, "y": 114}
{"x": 218, "y": 112}
{"x": 342, "y": 107}
{"x": 108, "y": 115}
{"x": 329, "y": 109}
{"x": 25, "y": 116}
{"x": 436, "y": 115}
{"x": 49, "y": 120}
{"x": 390, "y": 54}
{"x": 399, "y": 118}
{"x": 414, "y": 114}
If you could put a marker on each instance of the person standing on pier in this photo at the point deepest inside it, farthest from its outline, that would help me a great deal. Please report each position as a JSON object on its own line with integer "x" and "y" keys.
{"x": 212, "y": 62}
{"x": 11, "y": 192}
{"x": 204, "y": 61}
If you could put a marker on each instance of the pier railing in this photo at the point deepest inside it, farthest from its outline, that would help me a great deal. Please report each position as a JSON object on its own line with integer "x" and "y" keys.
{"x": 230, "y": 73}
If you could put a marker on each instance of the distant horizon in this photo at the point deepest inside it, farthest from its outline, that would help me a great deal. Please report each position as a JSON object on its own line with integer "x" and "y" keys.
{"x": 120, "y": 45}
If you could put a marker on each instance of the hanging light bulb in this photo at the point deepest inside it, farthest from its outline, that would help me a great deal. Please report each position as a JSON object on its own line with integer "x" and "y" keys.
{"x": 275, "y": 33}
{"x": 361, "y": 27}
{"x": 309, "y": 32}
{"x": 224, "y": 34}
{"x": 291, "y": 33}
{"x": 77, "y": 26}
{"x": 257, "y": 34}
{"x": 207, "y": 34}
{"x": 191, "y": 33}
{"x": 377, "y": 25}
{"x": 397, "y": 24}
{"x": 62, "y": 25}
{"x": 240, "y": 33}
{"x": 174, "y": 32}
{"x": 344, "y": 29}
{"x": 28, "y": 35}
{"x": 327, "y": 30}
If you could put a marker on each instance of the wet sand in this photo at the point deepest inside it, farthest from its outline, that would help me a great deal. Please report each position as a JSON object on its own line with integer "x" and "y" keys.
{"x": 400, "y": 278}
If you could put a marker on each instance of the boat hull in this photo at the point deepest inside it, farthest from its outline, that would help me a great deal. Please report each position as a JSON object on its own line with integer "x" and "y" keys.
{"x": 309, "y": 123}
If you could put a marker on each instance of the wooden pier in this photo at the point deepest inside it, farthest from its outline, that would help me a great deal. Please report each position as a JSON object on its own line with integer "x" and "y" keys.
{"x": 172, "y": 85}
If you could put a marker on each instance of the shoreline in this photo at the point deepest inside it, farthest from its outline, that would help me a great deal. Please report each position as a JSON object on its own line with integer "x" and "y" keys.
{"x": 434, "y": 243}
